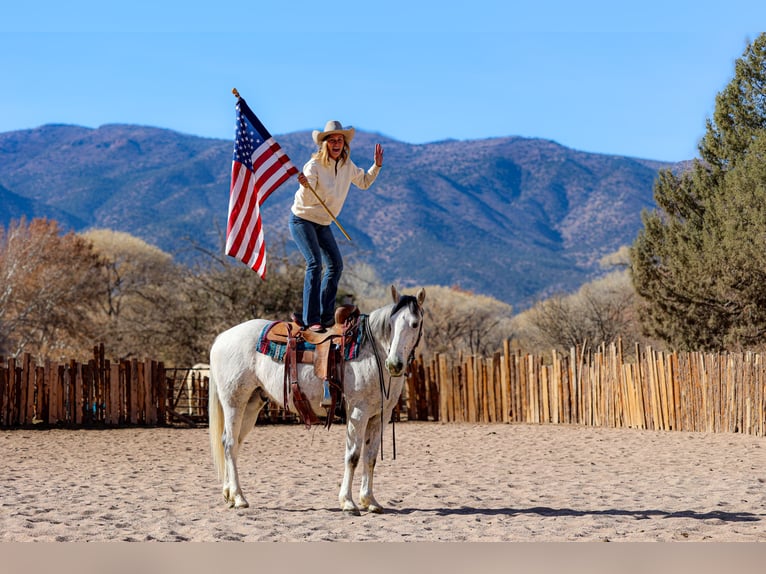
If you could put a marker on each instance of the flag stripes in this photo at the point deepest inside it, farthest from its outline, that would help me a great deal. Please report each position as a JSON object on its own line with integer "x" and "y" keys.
{"x": 259, "y": 167}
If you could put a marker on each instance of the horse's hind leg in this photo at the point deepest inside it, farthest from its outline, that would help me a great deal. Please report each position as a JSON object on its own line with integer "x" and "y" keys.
{"x": 252, "y": 410}
{"x": 372, "y": 443}
{"x": 232, "y": 492}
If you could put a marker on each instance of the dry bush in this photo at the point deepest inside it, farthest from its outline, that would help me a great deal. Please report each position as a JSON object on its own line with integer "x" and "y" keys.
{"x": 140, "y": 289}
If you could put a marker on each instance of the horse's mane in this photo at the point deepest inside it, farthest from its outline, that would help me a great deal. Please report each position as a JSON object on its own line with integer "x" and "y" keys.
{"x": 378, "y": 318}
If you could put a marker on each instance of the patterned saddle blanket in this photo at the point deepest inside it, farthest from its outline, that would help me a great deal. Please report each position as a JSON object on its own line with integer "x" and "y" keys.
{"x": 276, "y": 349}
{"x": 290, "y": 344}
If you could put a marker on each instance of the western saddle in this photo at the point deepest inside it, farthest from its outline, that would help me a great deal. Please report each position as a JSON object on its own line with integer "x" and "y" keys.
{"x": 325, "y": 350}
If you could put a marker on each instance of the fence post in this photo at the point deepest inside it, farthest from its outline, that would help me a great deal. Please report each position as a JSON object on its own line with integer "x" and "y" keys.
{"x": 134, "y": 407}
{"x": 471, "y": 394}
{"x": 434, "y": 395}
{"x": 497, "y": 388}
{"x": 483, "y": 386}
{"x": 51, "y": 389}
{"x": 162, "y": 400}
{"x": 556, "y": 388}
{"x": 545, "y": 394}
{"x": 505, "y": 383}
{"x": 42, "y": 406}
{"x": 58, "y": 412}
{"x": 27, "y": 404}
{"x": 446, "y": 390}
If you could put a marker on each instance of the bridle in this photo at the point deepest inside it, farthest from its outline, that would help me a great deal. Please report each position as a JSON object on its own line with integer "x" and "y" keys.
{"x": 386, "y": 392}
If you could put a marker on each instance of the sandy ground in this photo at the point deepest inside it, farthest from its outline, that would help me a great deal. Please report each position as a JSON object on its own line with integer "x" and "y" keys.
{"x": 448, "y": 483}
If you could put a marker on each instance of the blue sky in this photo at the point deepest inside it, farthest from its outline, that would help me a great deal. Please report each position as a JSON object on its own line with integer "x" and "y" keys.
{"x": 637, "y": 79}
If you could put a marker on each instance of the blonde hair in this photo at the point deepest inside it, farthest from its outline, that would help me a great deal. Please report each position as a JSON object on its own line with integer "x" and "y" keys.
{"x": 324, "y": 156}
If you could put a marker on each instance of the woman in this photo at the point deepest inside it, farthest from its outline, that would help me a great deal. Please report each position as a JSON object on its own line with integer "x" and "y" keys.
{"x": 330, "y": 173}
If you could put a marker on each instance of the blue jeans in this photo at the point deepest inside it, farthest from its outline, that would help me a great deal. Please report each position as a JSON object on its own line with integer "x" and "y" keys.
{"x": 317, "y": 245}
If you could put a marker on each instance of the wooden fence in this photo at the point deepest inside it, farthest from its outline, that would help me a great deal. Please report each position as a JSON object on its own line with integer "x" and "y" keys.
{"x": 712, "y": 392}
{"x": 99, "y": 392}
{"x": 103, "y": 393}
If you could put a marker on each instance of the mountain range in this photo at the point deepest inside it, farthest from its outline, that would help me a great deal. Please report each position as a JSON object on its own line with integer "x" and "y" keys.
{"x": 514, "y": 218}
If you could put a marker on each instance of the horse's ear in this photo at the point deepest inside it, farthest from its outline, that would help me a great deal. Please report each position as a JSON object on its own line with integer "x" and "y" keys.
{"x": 421, "y": 296}
{"x": 394, "y": 294}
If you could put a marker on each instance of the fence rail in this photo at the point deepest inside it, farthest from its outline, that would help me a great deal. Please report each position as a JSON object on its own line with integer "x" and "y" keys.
{"x": 713, "y": 392}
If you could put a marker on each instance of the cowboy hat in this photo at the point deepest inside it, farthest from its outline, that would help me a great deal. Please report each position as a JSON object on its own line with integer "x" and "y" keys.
{"x": 333, "y": 127}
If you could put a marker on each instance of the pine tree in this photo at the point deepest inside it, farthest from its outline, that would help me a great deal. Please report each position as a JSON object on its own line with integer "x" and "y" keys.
{"x": 699, "y": 264}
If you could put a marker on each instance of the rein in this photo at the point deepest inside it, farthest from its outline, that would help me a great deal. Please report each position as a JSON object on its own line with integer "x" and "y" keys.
{"x": 385, "y": 392}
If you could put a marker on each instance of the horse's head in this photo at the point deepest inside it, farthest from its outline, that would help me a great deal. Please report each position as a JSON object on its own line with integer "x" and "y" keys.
{"x": 406, "y": 325}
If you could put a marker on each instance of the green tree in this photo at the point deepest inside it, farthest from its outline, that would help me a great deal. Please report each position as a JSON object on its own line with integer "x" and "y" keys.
{"x": 697, "y": 263}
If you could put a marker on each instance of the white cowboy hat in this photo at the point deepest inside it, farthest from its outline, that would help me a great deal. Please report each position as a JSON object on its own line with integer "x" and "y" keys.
{"x": 333, "y": 127}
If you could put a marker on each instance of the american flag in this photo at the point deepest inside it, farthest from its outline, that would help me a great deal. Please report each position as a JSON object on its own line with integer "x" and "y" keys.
{"x": 259, "y": 166}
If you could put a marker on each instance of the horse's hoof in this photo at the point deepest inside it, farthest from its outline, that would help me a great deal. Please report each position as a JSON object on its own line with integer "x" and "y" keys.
{"x": 370, "y": 505}
{"x": 350, "y": 508}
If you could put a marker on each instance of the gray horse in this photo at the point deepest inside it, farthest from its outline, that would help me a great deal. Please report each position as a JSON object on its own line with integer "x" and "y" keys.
{"x": 242, "y": 380}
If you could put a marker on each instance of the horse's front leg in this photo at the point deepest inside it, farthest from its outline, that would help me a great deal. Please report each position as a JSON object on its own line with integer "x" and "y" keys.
{"x": 372, "y": 443}
{"x": 355, "y": 431}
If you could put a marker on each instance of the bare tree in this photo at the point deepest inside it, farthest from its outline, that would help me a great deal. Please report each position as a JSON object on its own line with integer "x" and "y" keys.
{"x": 459, "y": 321}
{"x": 48, "y": 290}
{"x": 219, "y": 292}
{"x": 361, "y": 283}
{"x": 600, "y": 312}
{"x": 154, "y": 307}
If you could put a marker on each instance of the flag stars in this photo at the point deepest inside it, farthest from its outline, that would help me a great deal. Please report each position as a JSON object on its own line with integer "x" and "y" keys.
{"x": 248, "y": 139}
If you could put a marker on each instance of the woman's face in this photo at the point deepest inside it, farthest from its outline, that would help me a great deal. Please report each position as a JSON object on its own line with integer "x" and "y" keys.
{"x": 335, "y": 144}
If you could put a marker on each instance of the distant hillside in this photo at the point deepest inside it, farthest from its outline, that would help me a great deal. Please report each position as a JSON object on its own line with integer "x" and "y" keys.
{"x": 514, "y": 218}
{"x": 13, "y": 206}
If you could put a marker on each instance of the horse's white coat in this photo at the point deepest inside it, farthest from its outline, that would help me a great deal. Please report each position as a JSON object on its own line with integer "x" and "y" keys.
{"x": 241, "y": 380}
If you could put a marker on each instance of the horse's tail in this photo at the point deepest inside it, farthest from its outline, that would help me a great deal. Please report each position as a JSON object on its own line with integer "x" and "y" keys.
{"x": 215, "y": 425}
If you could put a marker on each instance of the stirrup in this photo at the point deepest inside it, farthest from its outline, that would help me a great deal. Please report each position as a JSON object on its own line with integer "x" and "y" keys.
{"x": 326, "y": 397}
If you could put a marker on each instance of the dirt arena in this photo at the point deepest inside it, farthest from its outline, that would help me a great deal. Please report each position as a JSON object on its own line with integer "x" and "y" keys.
{"x": 448, "y": 483}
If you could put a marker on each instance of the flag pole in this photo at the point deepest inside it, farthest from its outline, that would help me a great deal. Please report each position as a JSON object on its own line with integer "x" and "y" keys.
{"x": 319, "y": 199}
{"x": 327, "y": 209}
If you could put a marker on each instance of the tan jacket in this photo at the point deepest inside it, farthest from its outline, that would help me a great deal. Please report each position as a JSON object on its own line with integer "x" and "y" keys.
{"x": 332, "y": 187}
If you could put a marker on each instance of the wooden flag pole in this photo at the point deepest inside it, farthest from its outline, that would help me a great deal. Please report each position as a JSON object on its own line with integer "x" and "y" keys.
{"x": 327, "y": 209}
{"x": 319, "y": 199}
